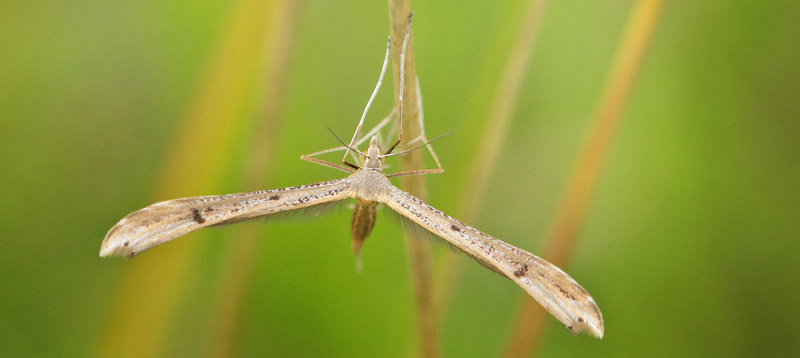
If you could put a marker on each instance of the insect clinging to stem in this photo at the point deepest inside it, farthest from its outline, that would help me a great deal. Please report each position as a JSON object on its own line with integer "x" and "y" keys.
{"x": 161, "y": 222}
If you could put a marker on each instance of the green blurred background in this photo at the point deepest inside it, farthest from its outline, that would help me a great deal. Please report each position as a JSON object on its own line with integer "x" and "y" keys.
{"x": 690, "y": 246}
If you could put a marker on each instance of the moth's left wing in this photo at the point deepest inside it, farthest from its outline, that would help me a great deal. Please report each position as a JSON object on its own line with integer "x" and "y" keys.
{"x": 547, "y": 284}
{"x": 167, "y": 220}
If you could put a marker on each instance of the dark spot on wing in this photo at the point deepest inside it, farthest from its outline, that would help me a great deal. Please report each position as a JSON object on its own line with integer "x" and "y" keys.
{"x": 455, "y": 228}
{"x": 197, "y": 217}
{"x": 580, "y": 319}
{"x": 208, "y": 209}
{"x": 274, "y": 197}
{"x": 564, "y": 292}
{"x": 521, "y": 271}
{"x": 126, "y": 243}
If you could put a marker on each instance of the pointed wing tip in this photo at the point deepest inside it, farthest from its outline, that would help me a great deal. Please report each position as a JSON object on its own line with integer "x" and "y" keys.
{"x": 596, "y": 332}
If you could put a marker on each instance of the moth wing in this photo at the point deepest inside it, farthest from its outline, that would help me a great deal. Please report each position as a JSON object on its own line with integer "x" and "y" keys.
{"x": 556, "y": 291}
{"x": 167, "y": 220}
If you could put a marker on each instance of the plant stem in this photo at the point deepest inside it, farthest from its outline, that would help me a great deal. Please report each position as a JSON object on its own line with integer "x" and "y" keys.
{"x": 420, "y": 259}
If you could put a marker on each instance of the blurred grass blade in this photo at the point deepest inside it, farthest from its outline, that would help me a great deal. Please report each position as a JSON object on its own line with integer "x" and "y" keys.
{"x": 239, "y": 261}
{"x": 580, "y": 188}
{"x": 494, "y": 135}
{"x": 419, "y": 252}
{"x": 153, "y": 285}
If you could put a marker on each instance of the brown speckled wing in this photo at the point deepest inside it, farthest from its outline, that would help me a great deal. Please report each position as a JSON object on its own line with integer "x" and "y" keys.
{"x": 164, "y": 221}
{"x": 547, "y": 284}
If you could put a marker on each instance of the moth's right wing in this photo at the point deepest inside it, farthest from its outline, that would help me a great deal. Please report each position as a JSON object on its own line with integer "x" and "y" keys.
{"x": 564, "y": 298}
{"x": 167, "y": 220}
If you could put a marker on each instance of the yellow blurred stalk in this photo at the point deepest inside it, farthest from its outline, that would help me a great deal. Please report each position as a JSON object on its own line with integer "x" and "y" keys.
{"x": 240, "y": 260}
{"x": 154, "y": 284}
{"x": 586, "y": 170}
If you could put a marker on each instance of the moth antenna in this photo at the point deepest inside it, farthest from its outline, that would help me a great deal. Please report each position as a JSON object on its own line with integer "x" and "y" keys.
{"x": 417, "y": 147}
{"x": 345, "y": 144}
